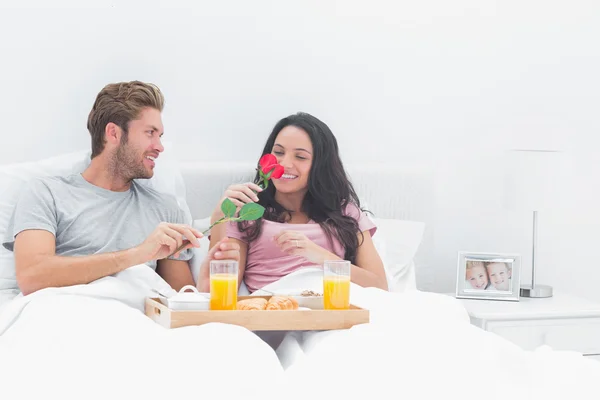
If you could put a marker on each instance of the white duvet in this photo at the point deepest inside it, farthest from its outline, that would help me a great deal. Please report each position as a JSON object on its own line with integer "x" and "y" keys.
{"x": 93, "y": 341}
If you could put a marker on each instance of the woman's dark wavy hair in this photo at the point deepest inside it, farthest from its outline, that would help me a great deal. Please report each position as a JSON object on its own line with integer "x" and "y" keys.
{"x": 329, "y": 189}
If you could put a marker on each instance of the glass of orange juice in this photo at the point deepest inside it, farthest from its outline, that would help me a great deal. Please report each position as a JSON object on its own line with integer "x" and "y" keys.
{"x": 336, "y": 285}
{"x": 223, "y": 284}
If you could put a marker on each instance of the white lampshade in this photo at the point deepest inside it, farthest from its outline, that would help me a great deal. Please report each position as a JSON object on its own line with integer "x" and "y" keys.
{"x": 534, "y": 179}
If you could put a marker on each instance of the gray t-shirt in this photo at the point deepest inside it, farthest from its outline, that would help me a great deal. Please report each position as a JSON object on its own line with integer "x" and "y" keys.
{"x": 86, "y": 219}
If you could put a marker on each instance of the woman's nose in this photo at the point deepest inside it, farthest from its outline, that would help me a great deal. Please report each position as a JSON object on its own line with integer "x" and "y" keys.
{"x": 285, "y": 161}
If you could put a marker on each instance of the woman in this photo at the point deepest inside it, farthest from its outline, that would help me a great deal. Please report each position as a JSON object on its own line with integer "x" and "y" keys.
{"x": 312, "y": 213}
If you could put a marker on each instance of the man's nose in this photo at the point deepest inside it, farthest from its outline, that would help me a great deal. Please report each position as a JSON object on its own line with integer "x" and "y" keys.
{"x": 159, "y": 146}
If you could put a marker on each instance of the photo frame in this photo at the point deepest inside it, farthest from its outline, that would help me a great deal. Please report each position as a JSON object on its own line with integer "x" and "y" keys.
{"x": 488, "y": 276}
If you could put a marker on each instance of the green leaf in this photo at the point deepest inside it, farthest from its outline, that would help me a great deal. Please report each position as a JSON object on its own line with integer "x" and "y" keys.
{"x": 251, "y": 212}
{"x": 228, "y": 208}
{"x": 268, "y": 176}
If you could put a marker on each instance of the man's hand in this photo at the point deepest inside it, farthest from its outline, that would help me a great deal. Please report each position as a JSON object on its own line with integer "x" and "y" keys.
{"x": 167, "y": 238}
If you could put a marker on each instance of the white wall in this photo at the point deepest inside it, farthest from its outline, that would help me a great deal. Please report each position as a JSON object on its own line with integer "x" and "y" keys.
{"x": 450, "y": 84}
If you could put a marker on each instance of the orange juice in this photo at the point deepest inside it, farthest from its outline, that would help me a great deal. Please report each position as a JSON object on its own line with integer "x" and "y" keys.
{"x": 223, "y": 291}
{"x": 336, "y": 292}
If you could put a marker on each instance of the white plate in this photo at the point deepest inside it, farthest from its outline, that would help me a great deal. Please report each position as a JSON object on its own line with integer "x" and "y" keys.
{"x": 310, "y": 302}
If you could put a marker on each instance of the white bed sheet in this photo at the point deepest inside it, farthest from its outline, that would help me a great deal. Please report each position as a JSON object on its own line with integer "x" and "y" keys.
{"x": 93, "y": 342}
{"x": 86, "y": 341}
{"x": 421, "y": 345}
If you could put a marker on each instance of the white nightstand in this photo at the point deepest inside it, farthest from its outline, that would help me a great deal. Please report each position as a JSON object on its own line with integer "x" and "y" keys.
{"x": 562, "y": 322}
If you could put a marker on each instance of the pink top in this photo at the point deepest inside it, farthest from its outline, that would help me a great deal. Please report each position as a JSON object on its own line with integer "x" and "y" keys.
{"x": 265, "y": 263}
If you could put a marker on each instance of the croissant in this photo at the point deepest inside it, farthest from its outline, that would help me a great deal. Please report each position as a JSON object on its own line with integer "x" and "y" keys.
{"x": 282, "y": 303}
{"x": 256, "y": 304}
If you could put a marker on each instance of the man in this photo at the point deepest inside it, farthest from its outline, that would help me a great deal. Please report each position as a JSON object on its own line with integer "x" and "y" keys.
{"x": 76, "y": 229}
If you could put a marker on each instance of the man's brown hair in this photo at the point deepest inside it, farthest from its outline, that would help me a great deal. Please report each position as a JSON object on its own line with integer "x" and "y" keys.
{"x": 120, "y": 103}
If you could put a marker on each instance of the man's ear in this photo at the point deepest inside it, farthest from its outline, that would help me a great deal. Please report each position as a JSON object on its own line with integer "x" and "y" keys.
{"x": 113, "y": 134}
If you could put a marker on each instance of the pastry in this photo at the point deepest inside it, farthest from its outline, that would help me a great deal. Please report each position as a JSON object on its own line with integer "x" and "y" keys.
{"x": 282, "y": 303}
{"x": 256, "y": 304}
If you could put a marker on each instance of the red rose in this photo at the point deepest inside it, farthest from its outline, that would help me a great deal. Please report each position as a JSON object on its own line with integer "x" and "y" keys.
{"x": 269, "y": 169}
{"x": 277, "y": 172}
{"x": 266, "y": 162}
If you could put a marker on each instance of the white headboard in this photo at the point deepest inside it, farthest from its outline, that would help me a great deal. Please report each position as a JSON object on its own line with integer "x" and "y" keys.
{"x": 388, "y": 191}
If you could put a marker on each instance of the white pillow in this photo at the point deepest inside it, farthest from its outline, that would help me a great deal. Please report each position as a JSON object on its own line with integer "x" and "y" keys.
{"x": 166, "y": 179}
{"x": 198, "y": 254}
{"x": 396, "y": 241}
{"x": 13, "y": 177}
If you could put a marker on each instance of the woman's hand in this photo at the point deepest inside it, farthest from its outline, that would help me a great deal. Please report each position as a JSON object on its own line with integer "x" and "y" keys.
{"x": 224, "y": 249}
{"x": 239, "y": 194}
{"x": 296, "y": 243}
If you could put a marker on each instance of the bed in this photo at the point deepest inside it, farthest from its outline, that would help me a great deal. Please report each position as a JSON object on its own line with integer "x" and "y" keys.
{"x": 93, "y": 341}
{"x": 400, "y": 201}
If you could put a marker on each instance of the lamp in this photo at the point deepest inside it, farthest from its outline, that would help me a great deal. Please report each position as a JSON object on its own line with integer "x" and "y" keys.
{"x": 532, "y": 182}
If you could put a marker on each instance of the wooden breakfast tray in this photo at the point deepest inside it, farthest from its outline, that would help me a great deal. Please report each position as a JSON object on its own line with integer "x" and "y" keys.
{"x": 301, "y": 320}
